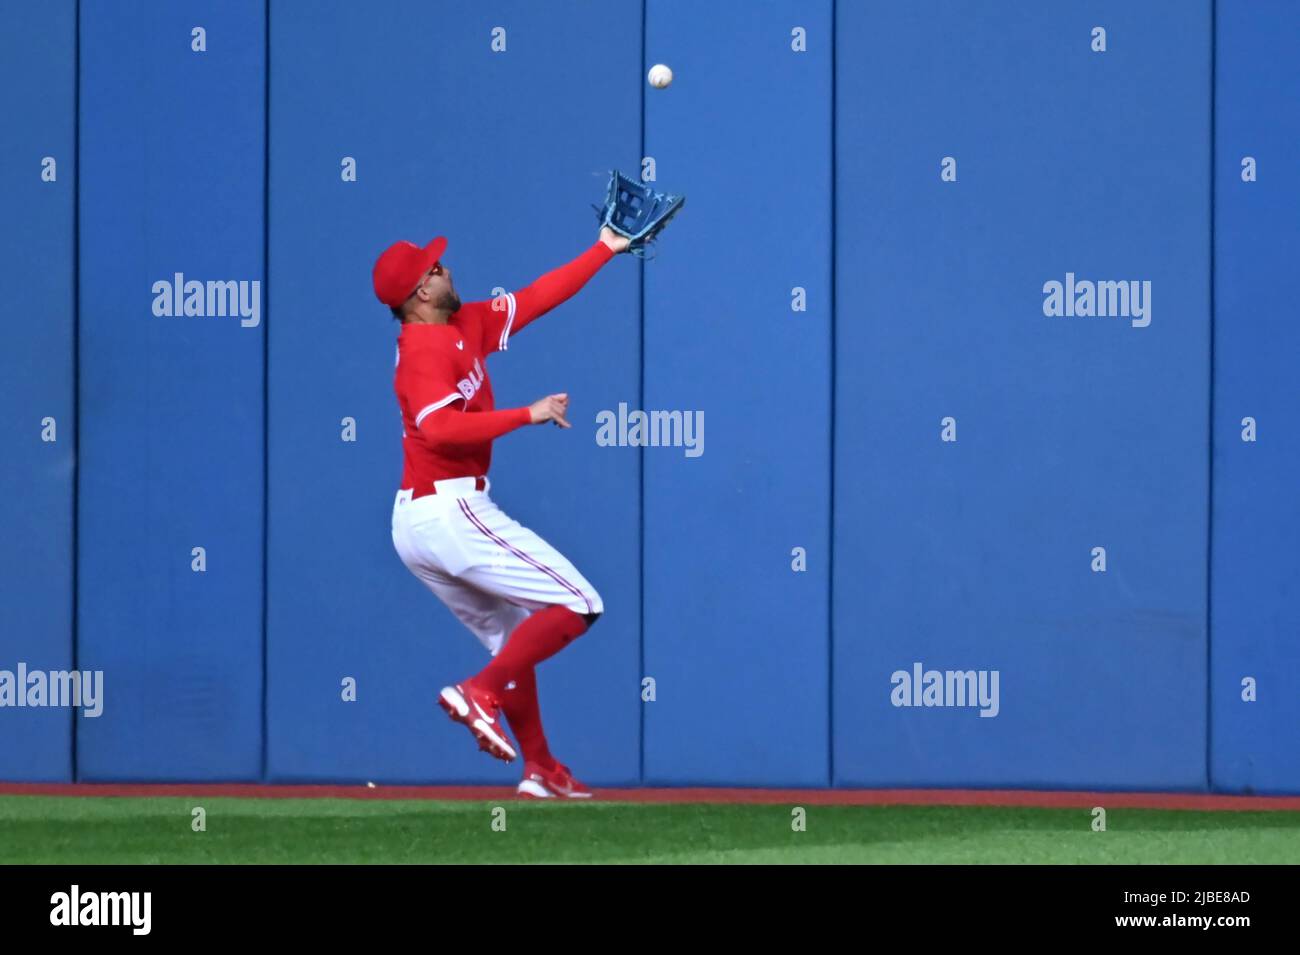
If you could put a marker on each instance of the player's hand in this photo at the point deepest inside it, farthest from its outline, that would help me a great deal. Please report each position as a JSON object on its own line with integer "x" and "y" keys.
{"x": 617, "y": 243}
{"x": 551, "y": 408}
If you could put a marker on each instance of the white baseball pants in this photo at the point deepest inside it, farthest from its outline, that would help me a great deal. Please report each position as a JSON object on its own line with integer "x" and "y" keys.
{"x": 490, "y": 570}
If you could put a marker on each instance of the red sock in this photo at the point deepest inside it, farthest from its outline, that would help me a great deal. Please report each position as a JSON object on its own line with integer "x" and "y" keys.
{"x": 525, "y": 717}
{"x": 543, "y": 634}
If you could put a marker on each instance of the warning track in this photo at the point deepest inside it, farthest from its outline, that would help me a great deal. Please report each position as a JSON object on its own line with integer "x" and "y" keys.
{"x": 804, "y": 797}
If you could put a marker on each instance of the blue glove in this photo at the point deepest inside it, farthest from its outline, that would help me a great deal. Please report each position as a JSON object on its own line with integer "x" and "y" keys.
{"x": 635, "y": 211}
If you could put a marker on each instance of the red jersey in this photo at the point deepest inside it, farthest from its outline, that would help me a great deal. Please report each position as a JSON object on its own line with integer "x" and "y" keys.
{"x": 445, "y": 367}
{"x": 442, "y": 365}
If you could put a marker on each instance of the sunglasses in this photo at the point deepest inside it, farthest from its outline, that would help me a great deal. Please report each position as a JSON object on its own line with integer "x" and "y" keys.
{"x": 435, "y": 270}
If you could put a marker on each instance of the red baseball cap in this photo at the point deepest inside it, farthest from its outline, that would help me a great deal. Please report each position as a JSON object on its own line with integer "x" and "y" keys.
{"x": 400, "y": 268}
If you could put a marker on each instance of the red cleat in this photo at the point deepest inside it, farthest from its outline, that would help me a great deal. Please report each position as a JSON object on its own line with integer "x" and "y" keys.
{"x": 539, "y": 783}
{"x": 479, "y": 711}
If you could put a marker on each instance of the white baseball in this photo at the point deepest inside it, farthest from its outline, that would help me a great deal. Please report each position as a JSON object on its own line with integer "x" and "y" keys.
{"x": 660, "y": 76}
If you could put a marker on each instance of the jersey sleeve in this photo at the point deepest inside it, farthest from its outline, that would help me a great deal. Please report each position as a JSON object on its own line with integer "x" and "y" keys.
{"x": 491, "y": 321}
{"x": 446, "y": 428}
{"x": 495, "y": 320}
{"x": 556, "y": 286}
{"x": 430, "y": 384}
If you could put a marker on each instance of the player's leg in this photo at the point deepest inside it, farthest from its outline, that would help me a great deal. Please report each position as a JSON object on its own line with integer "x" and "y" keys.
{"x": 513, "y": 562}
{"x": 523, "y": 712}
{"x": 425, "y": 546}
{"x": 491, "y": 619}
{"x": 430, "y": 551}
{"x": 470, "y": 554}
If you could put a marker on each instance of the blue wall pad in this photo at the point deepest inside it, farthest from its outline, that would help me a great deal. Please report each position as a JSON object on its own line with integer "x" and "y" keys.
{"x": 993, "y": 444}
{"x": 170, "y": 485}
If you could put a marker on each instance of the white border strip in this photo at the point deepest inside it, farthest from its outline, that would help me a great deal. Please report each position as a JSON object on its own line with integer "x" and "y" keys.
{"x": 510, "y": 320}
{"x": 441, "y": 403}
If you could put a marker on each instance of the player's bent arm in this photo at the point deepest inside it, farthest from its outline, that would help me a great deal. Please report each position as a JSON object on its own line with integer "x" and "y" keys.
{"x": 450, "y": 427}
{"x": 558, "y": 285}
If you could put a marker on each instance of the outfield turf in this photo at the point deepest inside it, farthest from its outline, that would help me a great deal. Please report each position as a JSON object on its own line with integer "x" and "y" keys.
{"x": 51, "y": 829}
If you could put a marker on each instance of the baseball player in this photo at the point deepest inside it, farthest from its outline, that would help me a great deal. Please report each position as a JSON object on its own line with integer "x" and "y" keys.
{"x": 517, "y": 594}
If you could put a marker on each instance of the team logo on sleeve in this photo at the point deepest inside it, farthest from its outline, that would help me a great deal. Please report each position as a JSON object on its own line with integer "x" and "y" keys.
{"x": 469, "y": 386}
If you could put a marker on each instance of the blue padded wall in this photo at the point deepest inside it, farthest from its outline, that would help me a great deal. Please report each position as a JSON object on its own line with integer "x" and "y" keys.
{"x": 172, "y": 148}
{"x": 910, "y": 460}
{"x": 38, "y": 427}
{"x": 1072, "y": 433}
{"x": 736, "y": 638}
{"x": 1255, "y": 606}
{"x": 449, "y": 137}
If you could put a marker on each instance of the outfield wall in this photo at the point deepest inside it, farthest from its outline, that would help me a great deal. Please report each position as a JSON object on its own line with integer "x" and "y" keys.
{"x": 982, "y": 311}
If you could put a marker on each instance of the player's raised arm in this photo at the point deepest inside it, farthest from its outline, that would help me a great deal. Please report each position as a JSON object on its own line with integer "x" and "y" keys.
{"x": 559, "y": 285}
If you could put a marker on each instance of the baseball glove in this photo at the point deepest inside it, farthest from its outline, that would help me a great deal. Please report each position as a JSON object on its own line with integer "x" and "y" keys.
{"x": 634, "y": 210}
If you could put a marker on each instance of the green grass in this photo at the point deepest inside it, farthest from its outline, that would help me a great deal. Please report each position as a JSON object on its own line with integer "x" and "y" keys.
{"x": 41, "y": 829}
